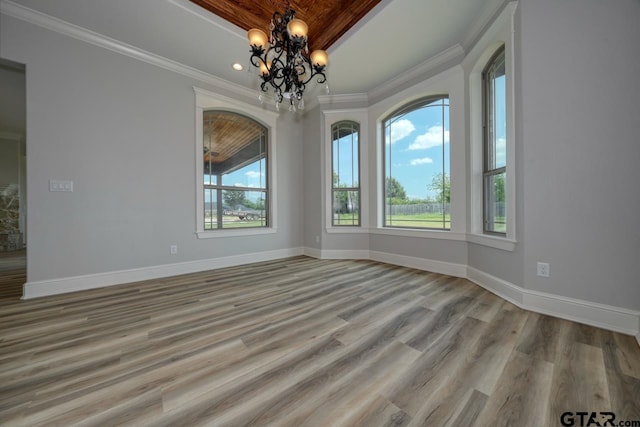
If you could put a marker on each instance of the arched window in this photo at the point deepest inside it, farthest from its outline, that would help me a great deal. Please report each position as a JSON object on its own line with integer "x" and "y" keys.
{"x": 345, "y": 170}
{"x": 236, "y": 193}
{"x": 495, "y": 145}
{"x": 416, "y": 165}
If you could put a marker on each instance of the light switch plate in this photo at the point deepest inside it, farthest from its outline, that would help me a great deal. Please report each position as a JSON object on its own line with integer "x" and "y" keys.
{"x": 59, "y": 185}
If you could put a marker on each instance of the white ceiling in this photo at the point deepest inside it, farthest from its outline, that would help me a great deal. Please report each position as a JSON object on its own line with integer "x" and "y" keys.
{"x": 395, "y": 36}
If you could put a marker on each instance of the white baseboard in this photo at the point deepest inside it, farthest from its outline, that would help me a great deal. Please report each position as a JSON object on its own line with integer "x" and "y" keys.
{"x": 600, "y": 315}
{"x": 442, "y": 267}
{"x": 501, "y": 288}
{"x": 99, "y": 280}
{"x": 336, "y": 253}
{"x": 313, "y": 252}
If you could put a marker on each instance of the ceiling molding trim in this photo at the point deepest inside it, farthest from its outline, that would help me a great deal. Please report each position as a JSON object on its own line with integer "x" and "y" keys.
{"x": 480, "y": 28}
{"x": 343, "y": 99}
{"x": 57, "y": 25}
{"x": 452, "y": 56}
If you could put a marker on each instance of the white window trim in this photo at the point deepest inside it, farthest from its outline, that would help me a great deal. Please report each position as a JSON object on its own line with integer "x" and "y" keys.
{"x": 210, "y": 100}
{"x": 451, "y": 83}
{"x": 419, "y": 232}
{"x": 330, "y": 117}
{"x": 501, "y": 32}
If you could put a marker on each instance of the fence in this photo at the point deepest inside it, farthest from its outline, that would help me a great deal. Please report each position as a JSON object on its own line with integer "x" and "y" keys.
{"x": 499, "y": 209}
{"x": 420, "y": 208}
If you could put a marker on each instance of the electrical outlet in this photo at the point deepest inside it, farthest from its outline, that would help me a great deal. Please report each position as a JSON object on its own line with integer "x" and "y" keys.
{"x": 543, "y": 269}
{"x": 173, "y": 249}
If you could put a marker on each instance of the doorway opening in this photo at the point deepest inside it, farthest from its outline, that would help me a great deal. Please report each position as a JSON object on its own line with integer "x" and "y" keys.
{"x": 13, "y": 179}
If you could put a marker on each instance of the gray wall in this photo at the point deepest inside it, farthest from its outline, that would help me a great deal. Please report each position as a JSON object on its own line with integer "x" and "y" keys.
{"x": 579, "y": 118}
{"x": 123, "y": 132}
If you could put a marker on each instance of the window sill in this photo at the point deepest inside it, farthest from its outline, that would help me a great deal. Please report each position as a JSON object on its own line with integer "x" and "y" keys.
{"x": 347, "y": 230}
{"x": 414, "y": 232}
{"x": 502, "y": 243}
{"x": 235, "y": 233}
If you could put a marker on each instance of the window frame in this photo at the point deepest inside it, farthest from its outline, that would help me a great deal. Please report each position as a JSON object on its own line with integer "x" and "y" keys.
{"x": 488, "y": 144}
{"x": 331, "y": 116}
{"x": 500, "y": 32}
{"x": 355, "y": 125}
{"x": 207, "y": 100}
{"x": 219, "y": 188}
{"x": 405, "y": 109}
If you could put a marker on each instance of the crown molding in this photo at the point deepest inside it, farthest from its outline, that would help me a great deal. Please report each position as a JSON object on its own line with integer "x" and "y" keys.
{"x": 10, "y": 8}
{"x": 343, "y": 99}
{"x": 479, "y": 29}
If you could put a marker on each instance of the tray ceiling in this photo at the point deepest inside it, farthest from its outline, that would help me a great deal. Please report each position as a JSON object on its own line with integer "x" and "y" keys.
{"x": 327, "y": 19}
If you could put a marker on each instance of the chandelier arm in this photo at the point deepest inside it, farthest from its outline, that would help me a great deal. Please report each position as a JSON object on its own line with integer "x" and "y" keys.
{"x": 256, "y": 58}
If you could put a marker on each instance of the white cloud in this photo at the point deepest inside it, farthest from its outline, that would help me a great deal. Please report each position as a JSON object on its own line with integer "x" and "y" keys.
{"x": 422, "y": 161}
{"x": 401, "y": 129}
{"x": 254, "y": 174}
{"x": 431, "y": 138}
{"x": 501, "y": 151}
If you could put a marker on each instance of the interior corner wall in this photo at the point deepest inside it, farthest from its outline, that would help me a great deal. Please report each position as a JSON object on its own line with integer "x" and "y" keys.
{"x": 313, "y": 207}
{"x": 579, "y": 90}
{"x": 505, "y": 265}
{"x": 124, "y": 132}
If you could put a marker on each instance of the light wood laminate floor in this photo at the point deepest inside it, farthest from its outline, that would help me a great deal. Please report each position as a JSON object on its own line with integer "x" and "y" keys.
{"x": 300, "y": 342}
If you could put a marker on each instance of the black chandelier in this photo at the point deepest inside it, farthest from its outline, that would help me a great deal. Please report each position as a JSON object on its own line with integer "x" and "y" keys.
{"x": 283, "y": 59}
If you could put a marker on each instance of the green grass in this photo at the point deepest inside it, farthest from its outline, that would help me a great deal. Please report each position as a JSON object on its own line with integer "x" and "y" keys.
{"x": 426, "y": 220}
{"x": 346, "y": 219}
{"x": 235, "y": 222}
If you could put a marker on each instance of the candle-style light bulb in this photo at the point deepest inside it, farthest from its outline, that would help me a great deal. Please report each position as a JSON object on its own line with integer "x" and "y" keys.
{"x": 319, "y": 58}
{"x": 257, "y": 37}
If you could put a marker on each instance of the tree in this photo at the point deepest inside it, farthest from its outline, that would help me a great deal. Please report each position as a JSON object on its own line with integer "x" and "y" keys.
{"x": 441, "y": 185}
{"x": 344, "y": 201}
{"x": 233, "y": 198}
{"x": 394, "y": 190}
{"x": 499, "y": 188}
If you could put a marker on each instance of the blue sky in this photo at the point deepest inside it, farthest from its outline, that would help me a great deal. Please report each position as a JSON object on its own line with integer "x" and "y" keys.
{"x": 417, "y": 148}
{"x": 252, "y": 176}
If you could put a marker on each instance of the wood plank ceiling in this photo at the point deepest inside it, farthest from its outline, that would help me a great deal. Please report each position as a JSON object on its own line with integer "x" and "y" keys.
{"x": 226, "y": 134}
{"x": 327, "y": 19}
